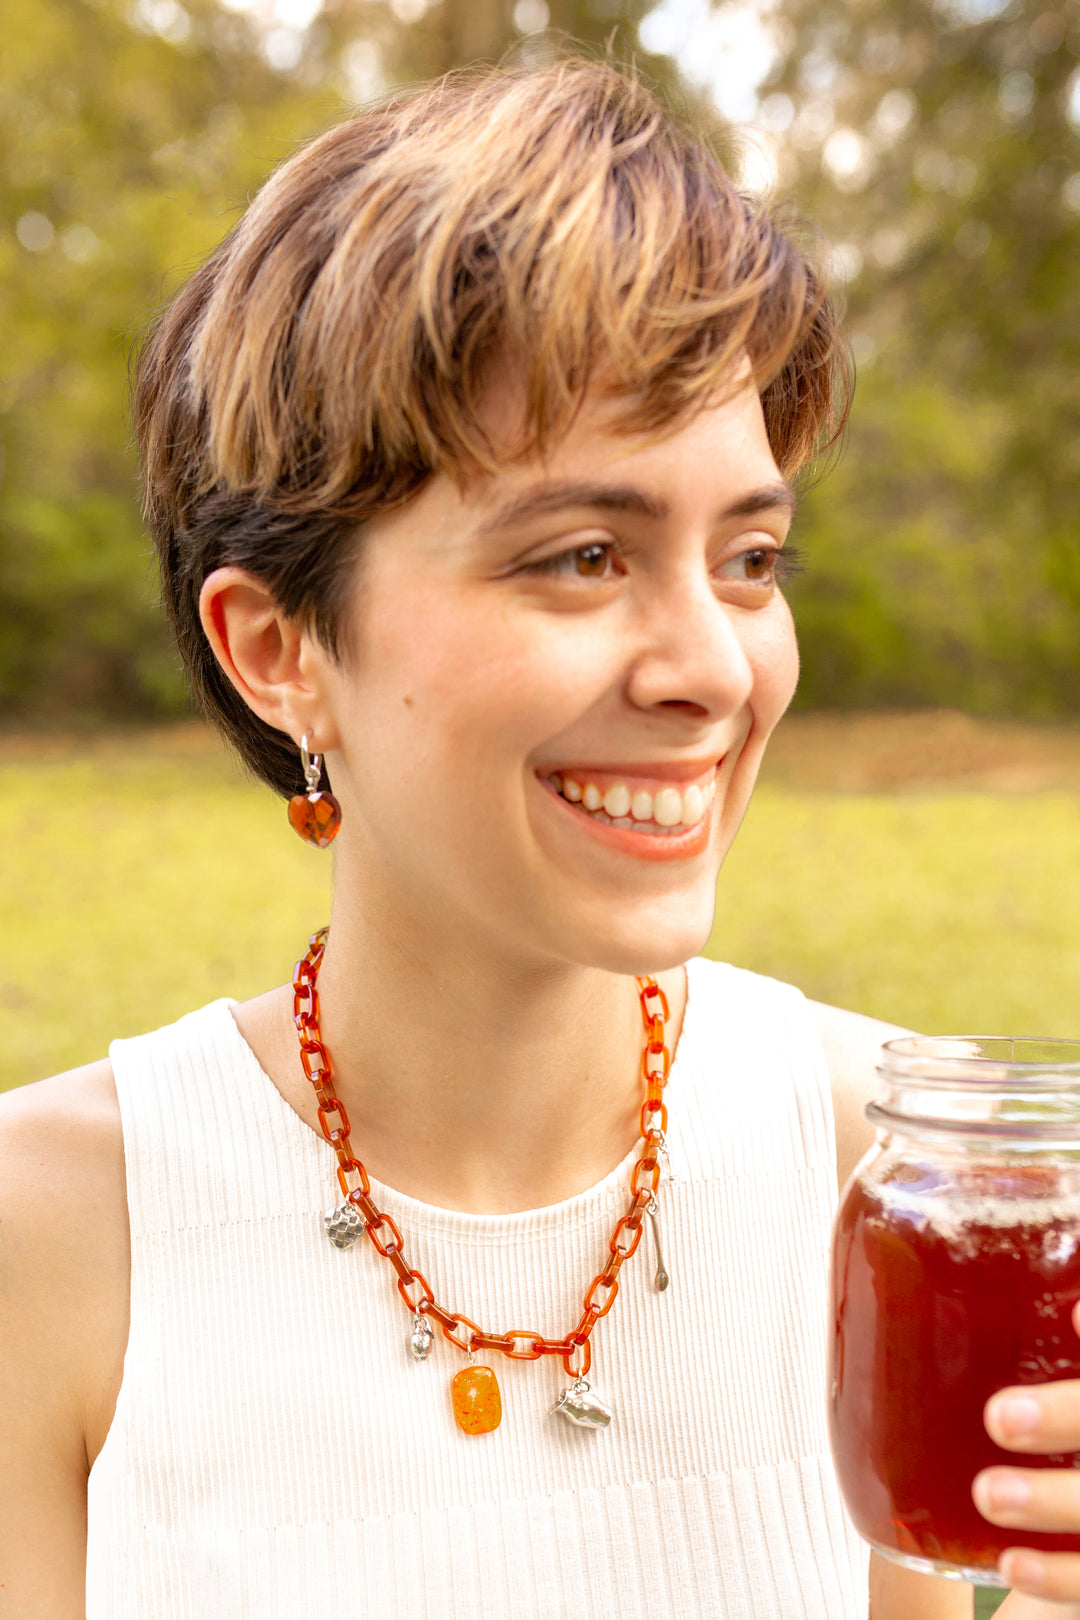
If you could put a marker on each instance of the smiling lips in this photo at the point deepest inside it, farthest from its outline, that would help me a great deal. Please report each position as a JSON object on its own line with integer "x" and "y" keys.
{"x": 659, "y": 809}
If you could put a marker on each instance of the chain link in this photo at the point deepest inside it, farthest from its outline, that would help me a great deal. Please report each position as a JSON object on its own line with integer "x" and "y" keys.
{"x": 520, "y": 1344}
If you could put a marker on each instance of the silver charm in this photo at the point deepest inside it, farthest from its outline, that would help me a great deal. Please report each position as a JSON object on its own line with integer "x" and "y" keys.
{"x": 579, "y": 1405}
{"x": 661, "y": 1280}
{"x": 343, "y": 1226}
{"x": 311, "y": 765}
{"x": 421, "y": 1338}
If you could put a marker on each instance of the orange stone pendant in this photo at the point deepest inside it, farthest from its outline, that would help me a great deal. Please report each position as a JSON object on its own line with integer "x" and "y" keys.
{"x": 474, "y": 1394}
{"x": 316, "y": 817}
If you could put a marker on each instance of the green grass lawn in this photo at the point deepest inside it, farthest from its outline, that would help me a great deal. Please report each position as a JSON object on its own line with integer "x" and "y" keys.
{"x": 946, "y": 910}
{"x": 144, "y": 876}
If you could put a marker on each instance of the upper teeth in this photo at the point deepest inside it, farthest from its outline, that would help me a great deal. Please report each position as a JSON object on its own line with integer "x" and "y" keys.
{"x": 669, "y": 806}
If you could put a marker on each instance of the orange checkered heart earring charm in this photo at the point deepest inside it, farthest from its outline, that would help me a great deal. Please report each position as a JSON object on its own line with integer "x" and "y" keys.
{"x": 315, "y": 815}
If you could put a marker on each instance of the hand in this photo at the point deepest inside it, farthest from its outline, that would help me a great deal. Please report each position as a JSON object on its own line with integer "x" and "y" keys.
{"x": 1037, "y": 1418}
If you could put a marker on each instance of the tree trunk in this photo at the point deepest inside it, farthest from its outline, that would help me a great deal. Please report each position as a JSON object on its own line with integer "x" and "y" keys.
{"x": 473, "y": 31}
{"x": 456, "y": 32}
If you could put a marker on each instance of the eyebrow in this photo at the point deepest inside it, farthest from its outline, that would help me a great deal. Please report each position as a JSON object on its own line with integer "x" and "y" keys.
{"x": 550, "y": 498}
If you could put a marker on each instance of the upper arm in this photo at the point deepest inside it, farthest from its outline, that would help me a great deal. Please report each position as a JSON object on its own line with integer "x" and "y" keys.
{"x": 63, "y": 1316}
{"x": 897, "y": 1593}
{"x": 852, "y": 1043}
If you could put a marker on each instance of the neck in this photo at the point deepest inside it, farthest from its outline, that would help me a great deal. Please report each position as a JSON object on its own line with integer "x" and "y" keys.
{"x": 472, "y": 1080}
{"x": 476, "y": 1086}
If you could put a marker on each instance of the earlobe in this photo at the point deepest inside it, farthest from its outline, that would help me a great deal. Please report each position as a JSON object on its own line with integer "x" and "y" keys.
{"x": 264, "y": 653}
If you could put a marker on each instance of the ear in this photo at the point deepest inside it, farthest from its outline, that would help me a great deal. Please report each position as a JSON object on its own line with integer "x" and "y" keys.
{"x": 272, "y": 661}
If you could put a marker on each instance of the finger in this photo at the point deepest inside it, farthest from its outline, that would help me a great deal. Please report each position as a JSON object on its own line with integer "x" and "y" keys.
{"x": 1054, "y": 1576}
{"x": 1029, "y": 1498}
{"x": 1041, "y": 1417}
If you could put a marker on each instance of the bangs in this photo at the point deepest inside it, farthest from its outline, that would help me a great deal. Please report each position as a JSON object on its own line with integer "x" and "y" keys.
{"x": 560, "y": 224}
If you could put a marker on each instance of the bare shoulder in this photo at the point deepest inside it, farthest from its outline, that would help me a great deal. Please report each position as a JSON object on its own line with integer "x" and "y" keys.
{"x": 86, "y": 1095}
{"x": 852, "y": 1043}
{"x": 64, "y": 1268}
{"x": 61, "y": 1147}
{"x": 64, "y": 1260}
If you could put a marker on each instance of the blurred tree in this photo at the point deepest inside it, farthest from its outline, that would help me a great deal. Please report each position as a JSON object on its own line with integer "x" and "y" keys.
{"x": 131, "y": 137}
{"x": 133, "y": 131}
{"x": 936, "y": 140}
{"x": 434, "y": 37}
{"x": 939, "y": 146}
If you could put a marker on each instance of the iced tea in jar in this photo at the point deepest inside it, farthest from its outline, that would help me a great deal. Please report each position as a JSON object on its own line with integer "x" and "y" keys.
{"x": 955, "y": 1268}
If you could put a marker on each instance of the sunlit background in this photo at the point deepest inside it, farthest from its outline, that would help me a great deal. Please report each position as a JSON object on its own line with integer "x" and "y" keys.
{"x": 936, "y": 144}
{"x": 937, "y": 148}
{"x": 924, "y": 868}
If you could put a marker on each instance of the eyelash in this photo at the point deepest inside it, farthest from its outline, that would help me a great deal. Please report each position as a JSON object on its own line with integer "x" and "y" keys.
{"x": 786, "y": 561}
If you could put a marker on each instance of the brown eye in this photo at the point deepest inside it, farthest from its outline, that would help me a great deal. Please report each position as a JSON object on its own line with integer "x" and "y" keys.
{"x": 596, "y": 560}
{"x": 590, "y": 562}
{"x": 761, "y": 566}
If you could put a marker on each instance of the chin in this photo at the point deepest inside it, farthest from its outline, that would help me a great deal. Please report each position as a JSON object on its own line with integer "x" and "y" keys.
{"x": 640, "y": 943}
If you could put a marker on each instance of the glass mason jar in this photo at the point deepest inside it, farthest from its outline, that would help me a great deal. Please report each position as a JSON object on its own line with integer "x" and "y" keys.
{"x": 955, "y": 1268}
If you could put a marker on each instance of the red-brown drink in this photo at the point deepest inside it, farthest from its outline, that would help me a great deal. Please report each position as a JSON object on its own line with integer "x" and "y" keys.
{"x": 949, "y": 1282}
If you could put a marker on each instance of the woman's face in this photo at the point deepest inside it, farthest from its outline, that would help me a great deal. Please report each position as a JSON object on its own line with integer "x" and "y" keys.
{"x": 560, "y": 684}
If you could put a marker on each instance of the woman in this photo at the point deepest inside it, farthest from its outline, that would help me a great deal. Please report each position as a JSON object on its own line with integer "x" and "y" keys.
{"x": 468, "y": 457}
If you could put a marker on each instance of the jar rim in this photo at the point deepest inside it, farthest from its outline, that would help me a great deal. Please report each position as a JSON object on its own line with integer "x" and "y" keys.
{"x": 981, "y": 1059}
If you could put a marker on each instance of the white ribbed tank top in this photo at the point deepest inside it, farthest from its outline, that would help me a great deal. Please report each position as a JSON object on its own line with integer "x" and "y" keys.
{"x": 276, "y": 1452}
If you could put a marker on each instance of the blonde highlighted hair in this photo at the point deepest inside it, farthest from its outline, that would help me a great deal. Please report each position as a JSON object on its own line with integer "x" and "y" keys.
{"x": 335, "y": 351}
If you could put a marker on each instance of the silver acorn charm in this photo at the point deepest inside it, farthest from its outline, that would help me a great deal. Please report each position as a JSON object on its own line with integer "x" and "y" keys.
{"x": 343, "y": 1226}
{"x": 421, "y": 1338}
{"x": 577, "y": 1404}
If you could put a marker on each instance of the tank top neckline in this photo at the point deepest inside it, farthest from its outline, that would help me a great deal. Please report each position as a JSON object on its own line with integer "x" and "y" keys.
{"x": 579, "y": 1207}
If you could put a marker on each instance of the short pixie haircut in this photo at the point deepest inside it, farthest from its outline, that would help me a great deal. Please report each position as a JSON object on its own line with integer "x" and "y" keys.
{"x": 334, "y": 353}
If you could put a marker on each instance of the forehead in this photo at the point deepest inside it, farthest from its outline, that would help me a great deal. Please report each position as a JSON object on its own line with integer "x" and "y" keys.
{"x": 718, "y": 451}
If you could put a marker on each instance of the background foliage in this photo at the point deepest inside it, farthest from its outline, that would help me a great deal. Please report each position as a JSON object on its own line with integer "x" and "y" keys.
{"x": 935, "y": 140}
{"x": 939, "y": 148}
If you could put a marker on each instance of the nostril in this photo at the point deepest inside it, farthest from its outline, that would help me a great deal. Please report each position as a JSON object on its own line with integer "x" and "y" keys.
{"x": 682, "y": 704}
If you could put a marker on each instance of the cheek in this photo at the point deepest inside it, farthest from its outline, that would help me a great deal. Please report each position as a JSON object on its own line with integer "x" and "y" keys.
{"x": 463, "y": 696}
{"x": 775, "y": 659}
{"x": 475, "y": 666}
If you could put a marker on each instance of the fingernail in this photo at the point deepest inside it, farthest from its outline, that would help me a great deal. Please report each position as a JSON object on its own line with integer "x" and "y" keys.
{"x": 1014, "y": 1415}
{"x": 1003, "y": 1492}
{"x": 1022, "y": 1569}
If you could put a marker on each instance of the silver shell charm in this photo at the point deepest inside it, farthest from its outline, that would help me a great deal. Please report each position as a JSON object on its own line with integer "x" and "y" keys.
{"x": 421, "y": 1338}
{"x": 343, "y": 1226}
{"x": 577, "y": 1404}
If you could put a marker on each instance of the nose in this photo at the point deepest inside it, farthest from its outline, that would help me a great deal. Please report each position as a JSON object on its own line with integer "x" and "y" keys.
{"x": 693, "y": 655}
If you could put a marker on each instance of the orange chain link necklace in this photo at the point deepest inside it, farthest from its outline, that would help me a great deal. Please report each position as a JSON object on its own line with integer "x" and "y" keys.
{"x": 474, "y": 1390}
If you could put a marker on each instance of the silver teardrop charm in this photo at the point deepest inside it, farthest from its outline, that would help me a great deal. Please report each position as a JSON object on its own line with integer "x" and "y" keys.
{"x": 421, "y": 1338}
{"x": 577, "y": 1404}
{"x": 343, "y": 1226}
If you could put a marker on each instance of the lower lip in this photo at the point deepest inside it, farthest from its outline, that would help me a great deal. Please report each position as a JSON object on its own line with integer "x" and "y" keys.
{"x": 642, "y": 846}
